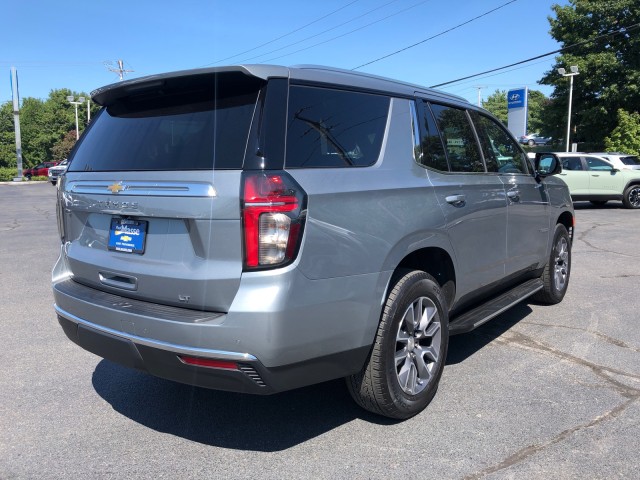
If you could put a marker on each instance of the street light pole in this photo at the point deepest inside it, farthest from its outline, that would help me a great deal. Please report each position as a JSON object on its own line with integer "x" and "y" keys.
{"x": 80, "y": 101}
{"x": 574, "y": 72}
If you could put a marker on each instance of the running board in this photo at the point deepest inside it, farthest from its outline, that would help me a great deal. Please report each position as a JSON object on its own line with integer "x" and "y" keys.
{"x": 494, "y": 307}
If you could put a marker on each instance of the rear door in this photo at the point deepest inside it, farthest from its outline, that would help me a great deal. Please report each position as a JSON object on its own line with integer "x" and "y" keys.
{"x": 603, "y": 178}
{"x": 151, "y": 196}
{"x": 473, "y": 202}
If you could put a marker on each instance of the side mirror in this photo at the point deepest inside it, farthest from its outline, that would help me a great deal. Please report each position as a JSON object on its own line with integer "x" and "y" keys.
{"x": 547, "y": 164}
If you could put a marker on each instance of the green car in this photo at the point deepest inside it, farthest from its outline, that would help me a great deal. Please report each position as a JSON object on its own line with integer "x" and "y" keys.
{"x": 597, "y": 180}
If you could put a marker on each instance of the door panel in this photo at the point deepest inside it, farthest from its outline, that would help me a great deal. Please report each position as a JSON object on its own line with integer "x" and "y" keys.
{"x": 527, "y": 200}
{"x": 574, "y": 174}
{"x": 603, "y": 179}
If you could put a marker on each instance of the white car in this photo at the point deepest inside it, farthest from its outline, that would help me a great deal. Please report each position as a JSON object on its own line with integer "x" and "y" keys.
{"x": 590, "y": 177}
{"x": 619, "y": 160}
{"x": 55, "y": 172}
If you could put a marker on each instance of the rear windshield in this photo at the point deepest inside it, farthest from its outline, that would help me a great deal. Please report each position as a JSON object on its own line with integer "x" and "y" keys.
{"x": 184, "y": 127}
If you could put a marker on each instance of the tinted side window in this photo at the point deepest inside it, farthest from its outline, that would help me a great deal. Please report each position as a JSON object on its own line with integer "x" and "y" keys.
{"x": 501, "y": 154}
{"x": 594, "y": 163}
{"x": 431, "y": 153}
{"x": 572, "y": 163}
{"x": 460, "y": 142}
{"x": 334, "y": 128}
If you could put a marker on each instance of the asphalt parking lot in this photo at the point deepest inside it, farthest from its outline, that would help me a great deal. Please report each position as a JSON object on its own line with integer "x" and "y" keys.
{"x": 539, "y": 392}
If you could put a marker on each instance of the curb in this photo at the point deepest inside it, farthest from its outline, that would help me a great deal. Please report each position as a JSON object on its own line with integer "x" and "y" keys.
{"x": 25, "y": 182}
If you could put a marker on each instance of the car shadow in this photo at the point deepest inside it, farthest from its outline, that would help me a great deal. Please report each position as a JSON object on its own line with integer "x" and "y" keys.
{"x": 463, "y": 346}
{"x": 252, "y": 422}
{"x": 228, "y": 420}
{"x": 610, "y": 205}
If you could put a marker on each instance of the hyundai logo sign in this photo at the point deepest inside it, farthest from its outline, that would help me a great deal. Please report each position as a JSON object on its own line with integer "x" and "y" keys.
{"x": 516, "y": 98}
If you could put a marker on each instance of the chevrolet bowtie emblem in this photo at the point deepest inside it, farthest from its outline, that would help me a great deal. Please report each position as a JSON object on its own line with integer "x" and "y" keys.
{"x": 116, "y": 187}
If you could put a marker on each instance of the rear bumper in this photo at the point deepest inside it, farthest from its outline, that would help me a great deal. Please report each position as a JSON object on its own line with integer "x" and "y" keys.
{"x": 164, "y": 361}
{"x": 278, "y": 338}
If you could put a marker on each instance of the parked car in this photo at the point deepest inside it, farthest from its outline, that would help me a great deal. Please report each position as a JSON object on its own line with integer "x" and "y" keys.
{"x": 597, "y": 180}
{"x": 620, "y": 160}
{"x": 40, "y": 170}
{"x": 56, "y": 171}
{"x": 260, "y": 228}
{"x": 534, "y": 139}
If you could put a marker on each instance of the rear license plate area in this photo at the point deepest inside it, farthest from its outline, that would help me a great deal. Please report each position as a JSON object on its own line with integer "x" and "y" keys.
{"x": 127, "y": 235}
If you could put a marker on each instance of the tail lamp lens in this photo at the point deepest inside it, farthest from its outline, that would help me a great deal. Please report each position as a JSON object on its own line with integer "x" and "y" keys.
{"x": 273, "y": 215}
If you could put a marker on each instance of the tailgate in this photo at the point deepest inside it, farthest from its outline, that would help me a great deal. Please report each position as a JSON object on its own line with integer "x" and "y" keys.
{"x": 188, "y": 246}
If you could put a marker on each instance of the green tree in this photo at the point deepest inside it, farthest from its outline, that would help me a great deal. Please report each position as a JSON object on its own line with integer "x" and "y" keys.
{"x": 626, "y": 136}
{"x": 62, "y": 147}
{"x": 496, "y": 103}
{"x": 537, "y": 102}
{"x": 7, "y": 136}
{"x": 609, "y": 76}
{"x": 44, "y": 127}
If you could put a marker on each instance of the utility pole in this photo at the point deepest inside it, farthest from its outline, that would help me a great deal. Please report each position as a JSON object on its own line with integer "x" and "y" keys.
{"x": 16, "y": 121}
{"x": 120, "y": 70}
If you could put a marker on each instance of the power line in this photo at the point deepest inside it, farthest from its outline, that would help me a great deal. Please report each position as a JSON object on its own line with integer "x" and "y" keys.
{"x": 285, "y": 35}
{"x": 351, "y": 31}
{"x": 434, "y": 36}
{"x": 369, "y": 12}
{"x": 560, "y": 50}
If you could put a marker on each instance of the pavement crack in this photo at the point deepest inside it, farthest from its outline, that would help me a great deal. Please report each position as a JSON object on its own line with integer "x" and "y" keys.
{"x": 629, "y": 393}
{"x": 527, "y": 452}
{"x": 613, "y": 341}
{"x": 583, "y": 234}
{"x": 11, "y": 226}
{"x": 601, "y": 371}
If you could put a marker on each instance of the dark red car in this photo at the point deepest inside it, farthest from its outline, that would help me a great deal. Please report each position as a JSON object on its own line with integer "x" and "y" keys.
{"x": 40, "y": 170}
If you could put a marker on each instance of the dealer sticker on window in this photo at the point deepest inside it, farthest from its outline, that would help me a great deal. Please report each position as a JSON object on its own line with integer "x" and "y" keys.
{"x": 126, "y": 235}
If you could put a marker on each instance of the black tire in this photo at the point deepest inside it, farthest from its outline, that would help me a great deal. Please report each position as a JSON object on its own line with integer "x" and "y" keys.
{"x": 555, "y": 276}
{"x": 598, "y": 203}
{"x": 400, "y": 379}
{"x": 28, "y": 176}
{"x": 531, "y": 143}
{"x": 631, "y": 196}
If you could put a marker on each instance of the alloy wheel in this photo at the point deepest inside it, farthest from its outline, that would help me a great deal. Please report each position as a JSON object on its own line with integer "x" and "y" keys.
{"x": 418, "y": 345}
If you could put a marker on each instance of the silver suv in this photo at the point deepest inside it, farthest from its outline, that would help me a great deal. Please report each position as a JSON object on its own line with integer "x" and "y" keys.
{"x": 261, "y": 228}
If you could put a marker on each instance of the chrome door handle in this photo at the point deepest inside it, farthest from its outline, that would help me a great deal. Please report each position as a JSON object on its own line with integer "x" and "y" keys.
{"x": 456, "y": 200}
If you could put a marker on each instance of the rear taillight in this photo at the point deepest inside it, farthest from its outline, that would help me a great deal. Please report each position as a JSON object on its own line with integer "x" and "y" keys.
{"x": 273, "y": 211}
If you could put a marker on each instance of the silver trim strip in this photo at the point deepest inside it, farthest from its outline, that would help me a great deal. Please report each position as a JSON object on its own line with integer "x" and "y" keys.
{"x": 141, "y": 188}
{"x": 200, "y": 352}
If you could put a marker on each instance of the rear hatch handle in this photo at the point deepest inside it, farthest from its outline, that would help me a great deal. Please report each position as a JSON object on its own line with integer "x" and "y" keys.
{"x": 118, "y": 280}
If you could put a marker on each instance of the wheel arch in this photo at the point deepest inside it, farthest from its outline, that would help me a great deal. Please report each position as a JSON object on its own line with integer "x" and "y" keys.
{"x": 436, "y": 262}
{"x": 566, "y": 218}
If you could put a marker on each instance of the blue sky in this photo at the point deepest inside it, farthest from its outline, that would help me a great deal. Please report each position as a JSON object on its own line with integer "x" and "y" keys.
{"x": 68, "y": 44}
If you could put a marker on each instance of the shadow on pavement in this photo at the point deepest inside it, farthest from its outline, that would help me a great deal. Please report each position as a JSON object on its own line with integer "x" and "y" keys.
{"x": 253, "y": 422}
{"x": 461, "y": 347}
{"x": 228, "y": 420}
